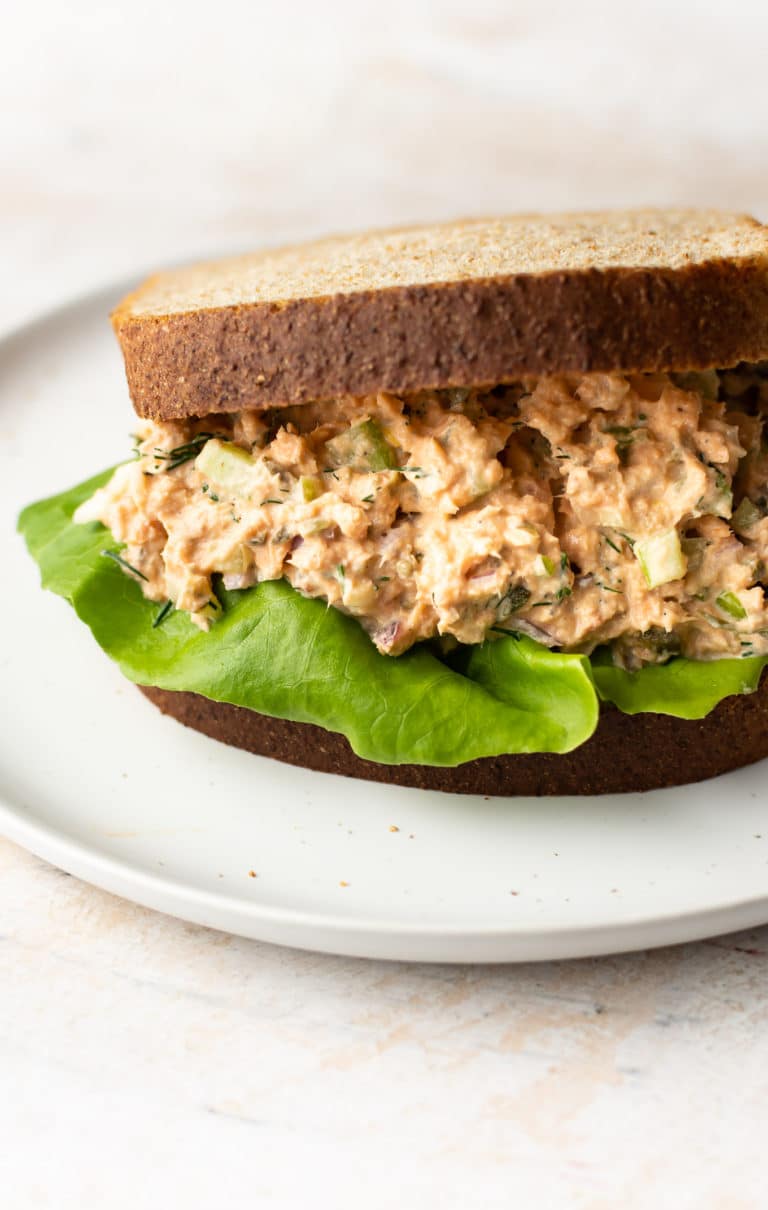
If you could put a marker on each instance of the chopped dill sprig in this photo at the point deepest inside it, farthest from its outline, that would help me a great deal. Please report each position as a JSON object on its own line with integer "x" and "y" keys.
{"x": 162, "y": 615}
{"x": 186, "y": 452}
{"x": 112, "y": 554}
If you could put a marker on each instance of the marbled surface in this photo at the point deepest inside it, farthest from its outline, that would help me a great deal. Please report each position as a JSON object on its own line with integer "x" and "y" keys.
{"x": 150, "y": 1063}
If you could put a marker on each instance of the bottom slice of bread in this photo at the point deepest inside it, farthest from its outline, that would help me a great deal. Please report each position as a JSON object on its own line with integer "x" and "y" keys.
{"x": 627, "y": 752}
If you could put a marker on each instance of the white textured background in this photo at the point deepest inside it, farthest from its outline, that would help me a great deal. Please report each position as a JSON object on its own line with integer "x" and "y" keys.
{"x": 149, "y": 1063}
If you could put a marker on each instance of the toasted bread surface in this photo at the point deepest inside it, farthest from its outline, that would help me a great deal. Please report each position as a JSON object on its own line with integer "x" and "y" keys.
{"x": 626, "y": 753}
{"x": 456, "y": 304}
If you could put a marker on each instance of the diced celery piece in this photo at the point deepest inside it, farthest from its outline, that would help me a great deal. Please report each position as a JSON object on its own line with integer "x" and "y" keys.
{"x": 311, "y": 488}
{"x": 227, "y": 466}
{"x": 722, "y": 505}
{"x": 718, "y": 500}
{"x": 363, "y": 447}
{"x": 543, "y": 566}
{"x": 661, "y": 558}
{"x": 730, "y": 603}
{"x": 480, "y": 486}
{"x": 746, "y": 515}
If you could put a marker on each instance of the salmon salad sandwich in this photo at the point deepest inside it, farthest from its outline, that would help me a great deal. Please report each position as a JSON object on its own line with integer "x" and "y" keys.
{"x": 480, "y": 507}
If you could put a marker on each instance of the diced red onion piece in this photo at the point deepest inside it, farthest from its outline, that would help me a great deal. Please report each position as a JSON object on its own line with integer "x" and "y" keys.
{"x": 388, "y": 635}
{"x": 533, "y": 632}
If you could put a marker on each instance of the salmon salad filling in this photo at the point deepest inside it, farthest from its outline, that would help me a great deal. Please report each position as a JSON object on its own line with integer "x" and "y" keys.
{"x": 581, "y": 510}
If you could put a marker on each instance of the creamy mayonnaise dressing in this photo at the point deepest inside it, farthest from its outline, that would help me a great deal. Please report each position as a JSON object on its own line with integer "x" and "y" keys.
{"x": 580, "y": 509}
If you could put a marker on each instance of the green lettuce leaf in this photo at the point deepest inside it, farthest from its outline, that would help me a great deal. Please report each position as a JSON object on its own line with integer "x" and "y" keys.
{"x": 280, "y": 654}
{"x": 684, "y": 688}
{"x": 532, "y": 677}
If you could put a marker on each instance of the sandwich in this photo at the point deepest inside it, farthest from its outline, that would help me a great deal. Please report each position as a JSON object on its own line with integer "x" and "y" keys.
{"x": 479, "y": 507}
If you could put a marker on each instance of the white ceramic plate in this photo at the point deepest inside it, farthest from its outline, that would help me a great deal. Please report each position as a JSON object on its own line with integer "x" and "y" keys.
{"x": 95, "y": 780}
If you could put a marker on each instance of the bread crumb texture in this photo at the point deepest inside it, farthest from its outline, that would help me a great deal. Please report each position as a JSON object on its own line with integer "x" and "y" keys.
{"x": 474, "y": 249}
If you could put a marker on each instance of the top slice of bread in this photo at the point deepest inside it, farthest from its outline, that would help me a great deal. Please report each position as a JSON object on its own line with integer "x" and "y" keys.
{"x": 457, "y": 304}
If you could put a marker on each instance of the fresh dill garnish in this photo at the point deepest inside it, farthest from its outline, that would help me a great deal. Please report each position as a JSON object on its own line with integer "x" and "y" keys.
{"x": 383, "y": 579}
{"x": 328, "y": 470}
{"x": 162, "y": 615}
{"x": 112, "y": 554}
{"x": 563, "y": 561}
{"x": 608, "y": 588}
{"x": 563, "y": 592}
{"x": 271, "y": 500}
{"x": 340, "y": 570}
{"x": 368, "y": 499}
{"x": 186, "y": 452}
{"x": 212, "y": 496}
{"x": 612, "y": 545}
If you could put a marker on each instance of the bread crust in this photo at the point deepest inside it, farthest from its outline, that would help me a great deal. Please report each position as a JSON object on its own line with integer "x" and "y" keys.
{"x": 469, "y": 303}
{"x": 458, "y": 334}
{"x": 626, "y": 753}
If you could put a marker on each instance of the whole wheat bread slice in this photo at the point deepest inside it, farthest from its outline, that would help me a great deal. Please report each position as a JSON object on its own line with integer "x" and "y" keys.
{"x": 458, "y": 304}
{"x": 627, "y": 752}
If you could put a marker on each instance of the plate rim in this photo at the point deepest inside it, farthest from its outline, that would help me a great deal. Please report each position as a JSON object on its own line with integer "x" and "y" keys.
{"x": 352, "y": 937}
